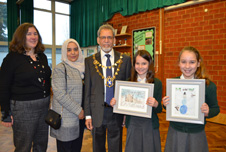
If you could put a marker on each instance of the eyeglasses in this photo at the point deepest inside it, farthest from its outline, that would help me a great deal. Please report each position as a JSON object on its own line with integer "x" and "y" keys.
{"x": 106, "y": 37}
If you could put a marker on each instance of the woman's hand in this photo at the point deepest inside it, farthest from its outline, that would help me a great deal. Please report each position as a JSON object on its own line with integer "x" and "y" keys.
{"x": 205, "y": 109}
{"x": 152, "y": 102}
{"x": 81, "y": 115}
{"x": 165, "y": 100}
{"x": 112, "y": 102}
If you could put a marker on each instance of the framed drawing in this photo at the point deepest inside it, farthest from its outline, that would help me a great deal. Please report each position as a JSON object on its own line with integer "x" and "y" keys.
{"x": 186, "y": 98}
{"x": 123, "y": 30}
{"x": 131, "y": 98}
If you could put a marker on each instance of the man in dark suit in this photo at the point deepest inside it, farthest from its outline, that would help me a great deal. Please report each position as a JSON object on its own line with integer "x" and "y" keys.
{"x": 99, "y": 90}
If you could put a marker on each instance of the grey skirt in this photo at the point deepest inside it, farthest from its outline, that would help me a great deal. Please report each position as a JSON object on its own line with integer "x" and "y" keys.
{"x": 141, "y": 137}
{"x": 186, "y": 142}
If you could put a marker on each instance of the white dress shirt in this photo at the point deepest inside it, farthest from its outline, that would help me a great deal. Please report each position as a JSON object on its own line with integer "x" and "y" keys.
{"x": 103, "y": 62}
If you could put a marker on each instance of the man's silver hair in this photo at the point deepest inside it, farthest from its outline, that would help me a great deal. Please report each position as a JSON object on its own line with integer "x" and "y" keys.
{"x": 106, "y": 26}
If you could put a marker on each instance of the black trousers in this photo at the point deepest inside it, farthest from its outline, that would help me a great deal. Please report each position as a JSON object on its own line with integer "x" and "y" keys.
{"x": 74, "y": 145}
{"x": 114, "y": 133}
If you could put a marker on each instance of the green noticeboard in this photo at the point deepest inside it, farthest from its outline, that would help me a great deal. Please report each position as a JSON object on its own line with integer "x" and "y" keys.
{"x": 144, "y": 39}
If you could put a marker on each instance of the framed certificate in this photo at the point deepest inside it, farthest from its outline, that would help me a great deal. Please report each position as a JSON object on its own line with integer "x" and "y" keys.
{"x": 131, "y": 98}
{"x": 186, "y": 98}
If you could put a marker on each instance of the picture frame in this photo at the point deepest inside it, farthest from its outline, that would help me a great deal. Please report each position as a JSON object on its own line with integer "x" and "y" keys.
{"x": 131, "y": 98}
{"x": 123, "y": 30}
{"x": 116, "y": 30}
{"x": 186, "y": 98}
{"x": 90, "y": 52}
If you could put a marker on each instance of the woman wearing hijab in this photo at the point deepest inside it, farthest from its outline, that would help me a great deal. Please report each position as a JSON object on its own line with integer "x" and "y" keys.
{"x": 67, "y": 88}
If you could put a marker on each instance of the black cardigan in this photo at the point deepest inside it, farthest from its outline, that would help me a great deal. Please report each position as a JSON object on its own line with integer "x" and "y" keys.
{"x": 19, "y": 80}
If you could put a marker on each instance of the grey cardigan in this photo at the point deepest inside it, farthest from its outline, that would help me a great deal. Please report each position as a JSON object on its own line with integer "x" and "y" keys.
{"x": 70, "y": 98}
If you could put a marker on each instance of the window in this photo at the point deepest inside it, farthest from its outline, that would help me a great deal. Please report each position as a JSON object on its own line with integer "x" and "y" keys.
{"x": 52, "y": 20}
{"x": 3, "y": 30}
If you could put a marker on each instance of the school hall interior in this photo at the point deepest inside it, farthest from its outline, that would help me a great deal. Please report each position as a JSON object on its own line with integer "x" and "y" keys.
{"x": 176, "y": 24}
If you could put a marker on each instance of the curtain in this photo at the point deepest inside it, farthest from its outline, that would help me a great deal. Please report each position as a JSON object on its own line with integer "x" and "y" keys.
{"x": 27, "y": 13}
{"x": 88, "y": 15}
{"x": 131, "y": 7}
{"x": 12, "y": 18}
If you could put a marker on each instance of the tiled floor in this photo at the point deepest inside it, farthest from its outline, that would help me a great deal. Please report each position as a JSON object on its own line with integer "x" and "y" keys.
{"x": 216, "y": 135}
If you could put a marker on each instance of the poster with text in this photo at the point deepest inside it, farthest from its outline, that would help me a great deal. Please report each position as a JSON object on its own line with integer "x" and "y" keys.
{"x": 144, "y": 39}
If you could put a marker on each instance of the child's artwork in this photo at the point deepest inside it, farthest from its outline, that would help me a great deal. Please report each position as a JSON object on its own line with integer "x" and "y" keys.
{"x": 185, "y": 101}
{"x": 134, "y": 98}
{"x": 131, "y": 98}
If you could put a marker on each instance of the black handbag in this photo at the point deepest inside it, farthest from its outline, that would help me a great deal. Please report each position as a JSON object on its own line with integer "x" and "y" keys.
{"x": 53, "y": 119}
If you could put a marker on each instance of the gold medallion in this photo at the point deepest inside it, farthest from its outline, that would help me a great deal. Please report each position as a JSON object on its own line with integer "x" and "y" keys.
{"x": 109, "y": 81}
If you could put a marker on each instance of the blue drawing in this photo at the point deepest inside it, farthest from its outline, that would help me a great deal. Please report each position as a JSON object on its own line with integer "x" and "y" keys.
{"x": 184, "y": 101}
{"x": 183, "y": 108}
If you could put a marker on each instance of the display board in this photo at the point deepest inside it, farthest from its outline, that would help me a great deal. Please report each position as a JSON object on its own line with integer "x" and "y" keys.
{"x": 144, "y": 39}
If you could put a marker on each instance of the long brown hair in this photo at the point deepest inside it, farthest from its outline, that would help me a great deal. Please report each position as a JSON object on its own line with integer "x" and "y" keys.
{"x": 18, "y": 43}
{"x": 151, "y": 71}
{"x": 201, "y": 70}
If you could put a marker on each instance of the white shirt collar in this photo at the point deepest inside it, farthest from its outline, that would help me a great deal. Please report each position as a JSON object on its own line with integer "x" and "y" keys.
{"x": 182, "y": 77}
{"x": 139, "y": 79}
{"x": 111, "y": 53}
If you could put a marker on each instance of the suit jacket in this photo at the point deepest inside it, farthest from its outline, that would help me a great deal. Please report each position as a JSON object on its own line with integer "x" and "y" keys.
{"x": 67, "y": 93}
{"x": 94, "y": 87}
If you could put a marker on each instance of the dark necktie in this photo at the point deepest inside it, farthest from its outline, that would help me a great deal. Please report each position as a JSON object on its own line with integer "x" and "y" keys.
{"x": 109, "y": 82}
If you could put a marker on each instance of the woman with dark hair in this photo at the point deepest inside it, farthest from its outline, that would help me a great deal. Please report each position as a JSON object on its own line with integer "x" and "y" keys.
{"x": 143, "y": 133}
{"x": 25, "y": 89}
{"x": 189, "y": 137}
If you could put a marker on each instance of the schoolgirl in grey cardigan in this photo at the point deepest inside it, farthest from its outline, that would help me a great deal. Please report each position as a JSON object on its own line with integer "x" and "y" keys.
{"x": 67, "y": 94}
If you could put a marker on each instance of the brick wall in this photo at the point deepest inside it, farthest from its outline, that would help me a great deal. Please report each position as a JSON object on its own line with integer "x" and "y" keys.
{"x": 138, "y": 21}
{"x": 204, "y": 30}
{"x": 186, "y": 26}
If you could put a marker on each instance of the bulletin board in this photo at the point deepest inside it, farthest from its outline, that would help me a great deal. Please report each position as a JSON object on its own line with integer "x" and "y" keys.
{"x": 144, "y": 39}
